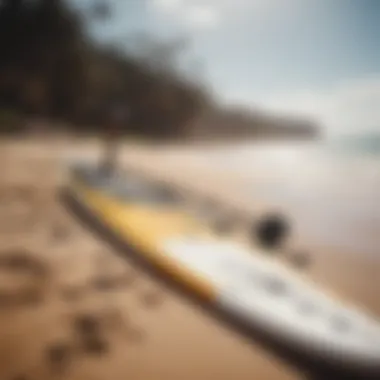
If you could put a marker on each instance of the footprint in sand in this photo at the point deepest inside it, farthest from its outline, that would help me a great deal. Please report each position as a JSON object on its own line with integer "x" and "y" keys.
{"x": 152, "y": 299}
{"x": 21, "y": 260}
{"x": 22, "y": 279}
{"x": 59, "y": 356}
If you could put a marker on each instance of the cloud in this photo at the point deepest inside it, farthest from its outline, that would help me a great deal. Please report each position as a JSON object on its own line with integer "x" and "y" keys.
{"x": 202, "y": 16}
{"x": 354, "y": 106}
{"x": 210, "y": 14}
{"x": 167, "y": 5}
{"x": 193, "y": 15}
{"x": 349, "y": 107}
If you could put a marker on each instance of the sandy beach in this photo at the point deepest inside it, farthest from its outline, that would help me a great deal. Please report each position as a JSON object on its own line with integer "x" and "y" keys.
{"x": 71, "y": 309}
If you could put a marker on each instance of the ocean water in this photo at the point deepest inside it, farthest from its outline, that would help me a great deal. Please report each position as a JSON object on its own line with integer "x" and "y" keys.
{"x": 331, "y": 190}
{"x": 364, "y": 145}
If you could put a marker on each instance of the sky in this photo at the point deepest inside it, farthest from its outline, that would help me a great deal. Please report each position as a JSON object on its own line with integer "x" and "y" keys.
{"x": 316, "y": 58}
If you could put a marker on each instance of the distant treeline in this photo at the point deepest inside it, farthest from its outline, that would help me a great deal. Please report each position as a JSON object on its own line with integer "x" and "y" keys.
{"x": 50, "y": 68}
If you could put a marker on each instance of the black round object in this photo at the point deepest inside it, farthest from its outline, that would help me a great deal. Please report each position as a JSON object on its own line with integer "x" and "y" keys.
{"x": 271, "y": 231}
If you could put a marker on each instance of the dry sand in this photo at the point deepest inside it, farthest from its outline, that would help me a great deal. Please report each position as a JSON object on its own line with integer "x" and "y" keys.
{"x": 71, "y": 309}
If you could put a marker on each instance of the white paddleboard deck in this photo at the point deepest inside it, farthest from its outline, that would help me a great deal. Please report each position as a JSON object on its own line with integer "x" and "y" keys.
{"x": 266, "y": 295}
{"x": 260, "y": 292}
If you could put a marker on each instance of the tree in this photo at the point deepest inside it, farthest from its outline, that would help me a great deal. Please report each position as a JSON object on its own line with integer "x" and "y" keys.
{"x": 50, "y": 66}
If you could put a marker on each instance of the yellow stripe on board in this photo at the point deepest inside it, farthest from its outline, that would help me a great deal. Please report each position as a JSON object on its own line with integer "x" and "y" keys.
{"x": 146, "y": 228}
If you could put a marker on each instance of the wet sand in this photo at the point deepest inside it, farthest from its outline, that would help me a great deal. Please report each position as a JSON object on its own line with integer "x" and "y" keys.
{"x": 71, "y": 309}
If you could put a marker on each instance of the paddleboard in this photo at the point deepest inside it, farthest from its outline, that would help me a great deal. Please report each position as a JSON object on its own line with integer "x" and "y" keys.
{"x": 262, "y": 298}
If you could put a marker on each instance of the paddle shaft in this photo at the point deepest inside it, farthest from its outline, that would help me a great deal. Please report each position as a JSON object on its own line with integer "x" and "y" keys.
{"x": 118, "y": 118}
